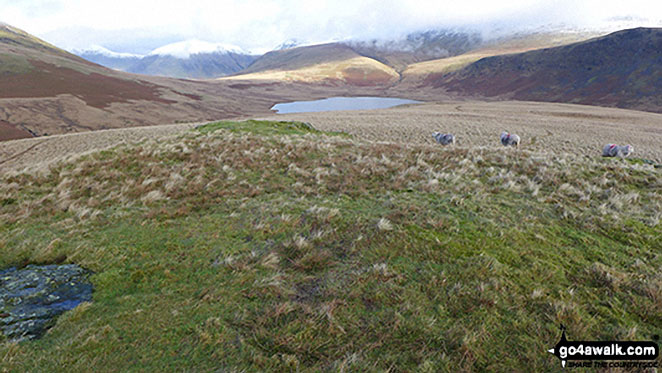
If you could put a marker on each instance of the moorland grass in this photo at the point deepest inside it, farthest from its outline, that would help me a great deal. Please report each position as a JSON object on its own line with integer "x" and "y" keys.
{"x": 260, "y": 246}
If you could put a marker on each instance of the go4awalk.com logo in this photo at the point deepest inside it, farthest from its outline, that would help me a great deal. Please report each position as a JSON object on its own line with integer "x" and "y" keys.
{"x": 606, "y": 354}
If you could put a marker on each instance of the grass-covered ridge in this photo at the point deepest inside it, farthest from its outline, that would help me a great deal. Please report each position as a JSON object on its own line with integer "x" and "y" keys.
{"x": 265, "y": 128}
{"x": 260, "y": 127}
{"x": 242, "y": 250}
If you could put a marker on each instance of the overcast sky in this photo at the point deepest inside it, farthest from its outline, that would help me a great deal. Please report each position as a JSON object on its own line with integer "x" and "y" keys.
{"x": 138, "y": 26}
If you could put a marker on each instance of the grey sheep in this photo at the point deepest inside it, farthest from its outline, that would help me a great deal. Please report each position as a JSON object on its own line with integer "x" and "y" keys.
{"x": 444, "y": 138}
{"x": 508, "y": 139}
{"x": 613, "y": 150}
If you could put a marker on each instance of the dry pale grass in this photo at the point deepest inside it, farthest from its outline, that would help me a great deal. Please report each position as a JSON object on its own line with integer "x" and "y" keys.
{"x": 37, "y": 153}
{"x": 564, "y": 128}
{"x": 544, "y": 127}
{"x": 179, "y": 170}
{"x": 335, "y": 70}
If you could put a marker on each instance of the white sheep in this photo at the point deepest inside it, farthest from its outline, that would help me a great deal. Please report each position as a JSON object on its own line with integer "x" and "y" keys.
{"x": 508, "y": 139}
{"x": 444, "y": 138}
{"x": 613, "y": 150}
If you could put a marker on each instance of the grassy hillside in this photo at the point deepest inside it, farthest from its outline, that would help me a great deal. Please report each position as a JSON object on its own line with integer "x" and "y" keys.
{"x": 16, "y": 37}
{"x": 333, "y": 63}
{"x": 356, "y": 72}
{"x": 261, "y": 246}
{"x": 296, "y": 58}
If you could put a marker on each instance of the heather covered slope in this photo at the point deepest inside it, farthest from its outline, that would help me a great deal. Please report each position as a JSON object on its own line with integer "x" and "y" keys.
{"x": 622, "y": 69}
{"x": 33, "y": 69}
{"x": 275, "y": 247}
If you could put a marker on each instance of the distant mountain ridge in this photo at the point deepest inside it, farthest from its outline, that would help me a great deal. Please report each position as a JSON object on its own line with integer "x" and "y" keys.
{"x": 187, "y": 59}
{"x": 198, "y": 59}
{"x": 622, "y": 69}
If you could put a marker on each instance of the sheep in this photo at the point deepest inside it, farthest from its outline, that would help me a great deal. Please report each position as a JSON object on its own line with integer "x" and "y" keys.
{"x": 613, "y": 150}
{"x": 444, "y": 138}
{"x": 509, "y": 140}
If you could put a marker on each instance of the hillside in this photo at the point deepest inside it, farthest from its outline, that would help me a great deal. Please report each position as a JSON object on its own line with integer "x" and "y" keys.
{"x": 299, "y": 57}
{"x": 622, "y": 69}
{"x": 276, "y": 247}
{"x": 45, "y": 90}
{"x": 416, "y": 73}
{"x": 418, "y": 47}
{"x": 334, "y": 64}
{"x": 405, "y": 65}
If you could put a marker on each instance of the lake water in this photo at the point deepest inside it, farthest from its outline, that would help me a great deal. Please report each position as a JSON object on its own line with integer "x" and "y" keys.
{"x": 340, "y": 103}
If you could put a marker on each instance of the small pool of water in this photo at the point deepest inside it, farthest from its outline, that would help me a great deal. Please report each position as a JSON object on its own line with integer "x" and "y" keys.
{"x": 340, "y": 103}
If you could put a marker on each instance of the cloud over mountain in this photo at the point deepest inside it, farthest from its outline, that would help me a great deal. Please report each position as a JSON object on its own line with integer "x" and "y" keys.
{"x": 260, "y": 25}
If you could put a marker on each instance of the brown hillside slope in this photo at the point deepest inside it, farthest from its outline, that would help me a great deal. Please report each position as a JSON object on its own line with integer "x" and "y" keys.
{"x": 415, "y": 73}
{"x": 622, "y": 69}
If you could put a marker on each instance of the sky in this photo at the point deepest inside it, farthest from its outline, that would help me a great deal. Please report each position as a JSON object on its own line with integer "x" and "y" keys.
{"x": 139, "y": 26}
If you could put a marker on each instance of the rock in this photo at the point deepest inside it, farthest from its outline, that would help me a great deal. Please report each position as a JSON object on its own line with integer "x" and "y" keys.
{"x": 33, "y": 297}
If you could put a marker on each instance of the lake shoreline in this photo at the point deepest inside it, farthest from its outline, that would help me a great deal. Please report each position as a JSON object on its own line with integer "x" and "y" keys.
{"x": 340, "y": 104}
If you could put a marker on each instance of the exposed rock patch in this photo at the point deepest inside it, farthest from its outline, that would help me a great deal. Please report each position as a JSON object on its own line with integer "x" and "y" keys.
{"x": 33, "y": 297}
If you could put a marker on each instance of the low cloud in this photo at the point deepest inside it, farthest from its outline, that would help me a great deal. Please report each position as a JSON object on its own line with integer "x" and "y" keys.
{"x": 138, "y": 26}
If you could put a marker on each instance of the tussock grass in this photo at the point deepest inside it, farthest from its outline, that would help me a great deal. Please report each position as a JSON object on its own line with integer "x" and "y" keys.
{"x": 281, "y": 248}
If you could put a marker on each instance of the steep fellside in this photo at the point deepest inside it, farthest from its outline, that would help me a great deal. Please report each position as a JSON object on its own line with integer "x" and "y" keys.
{"x": 622, "y": 69}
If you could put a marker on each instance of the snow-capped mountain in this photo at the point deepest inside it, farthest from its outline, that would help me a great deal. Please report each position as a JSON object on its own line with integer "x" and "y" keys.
{"x": 195, "y": 59}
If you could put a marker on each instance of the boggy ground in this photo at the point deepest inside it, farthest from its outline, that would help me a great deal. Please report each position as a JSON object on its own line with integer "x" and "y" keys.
{"x": 262, "y": 246}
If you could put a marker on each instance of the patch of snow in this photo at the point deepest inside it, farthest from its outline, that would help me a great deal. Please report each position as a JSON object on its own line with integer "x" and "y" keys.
{"x": 184, "y": 49}
{"x": 97, "y": 49}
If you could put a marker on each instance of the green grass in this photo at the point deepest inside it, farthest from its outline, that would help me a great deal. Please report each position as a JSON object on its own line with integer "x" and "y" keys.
{"x": 21, "y": 37}
{"x": 263, "y": 128}
{"x": 12, "y": 64}
{"x": 261, "y": 246}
